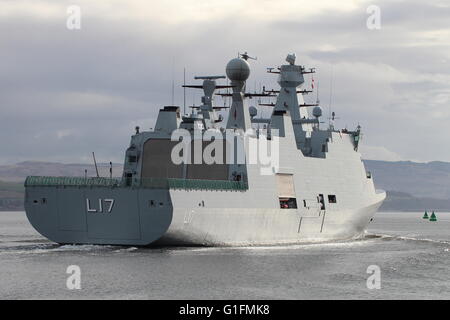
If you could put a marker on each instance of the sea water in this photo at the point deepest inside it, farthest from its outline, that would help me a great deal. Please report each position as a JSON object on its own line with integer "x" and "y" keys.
{"x": 411, "y": 254}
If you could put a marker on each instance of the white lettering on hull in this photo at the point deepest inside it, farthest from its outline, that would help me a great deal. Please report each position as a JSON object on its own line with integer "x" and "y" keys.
{"x": 109, "y": 202}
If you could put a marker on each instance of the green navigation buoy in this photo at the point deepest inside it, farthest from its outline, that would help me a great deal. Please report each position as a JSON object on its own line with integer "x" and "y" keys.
{"x": 425, "y": 216}
{"x": 433, "y": 217}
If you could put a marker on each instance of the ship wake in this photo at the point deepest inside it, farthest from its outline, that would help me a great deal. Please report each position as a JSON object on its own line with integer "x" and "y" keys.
{"x": 389, "y": 237}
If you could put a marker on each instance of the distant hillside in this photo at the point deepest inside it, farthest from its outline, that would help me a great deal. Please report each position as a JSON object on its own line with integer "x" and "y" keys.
{"x": 423, "y": 180}
{"x": 400, "y": 201}
{"x": 410, "y": 186}
{"x": 11, "y": 196}
{"x": 12, "y": 178}
{"x": 18, "y": 172}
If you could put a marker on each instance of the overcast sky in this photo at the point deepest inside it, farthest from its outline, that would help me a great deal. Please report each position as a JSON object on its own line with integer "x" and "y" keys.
{"x": 65, "y": 93}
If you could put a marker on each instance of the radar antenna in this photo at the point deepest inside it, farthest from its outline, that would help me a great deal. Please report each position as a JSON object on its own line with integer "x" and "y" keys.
{"x": 209, "y": 77}
{"x": 245, "y": 56}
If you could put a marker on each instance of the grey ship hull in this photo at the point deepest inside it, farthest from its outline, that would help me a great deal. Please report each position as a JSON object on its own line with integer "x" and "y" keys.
{"x": 145, "y": 216}
{"x": 314, "y": 188}
{"x": 63, "y": 216}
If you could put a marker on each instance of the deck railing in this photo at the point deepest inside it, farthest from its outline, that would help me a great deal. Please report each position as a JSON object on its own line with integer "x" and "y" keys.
{"x": 148, "y": 183}
{"x": 71, "y": 181}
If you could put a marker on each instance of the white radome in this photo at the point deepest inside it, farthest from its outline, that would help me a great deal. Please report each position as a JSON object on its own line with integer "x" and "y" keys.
{"x": 238, "y": 70}
{"x": 317, "y": 112}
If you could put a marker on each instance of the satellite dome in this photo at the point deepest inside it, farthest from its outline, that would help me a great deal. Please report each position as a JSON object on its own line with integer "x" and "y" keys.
{"x": 253, "y": 111}
{"x": 238, "y": 70}
{"x": 317, "y": 112}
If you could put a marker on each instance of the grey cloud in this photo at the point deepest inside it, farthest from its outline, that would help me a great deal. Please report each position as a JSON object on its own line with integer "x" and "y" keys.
{"x": 66, "y": 93}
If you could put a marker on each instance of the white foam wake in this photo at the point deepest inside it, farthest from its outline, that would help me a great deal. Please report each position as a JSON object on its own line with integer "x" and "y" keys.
{"x": 405, "y": 238}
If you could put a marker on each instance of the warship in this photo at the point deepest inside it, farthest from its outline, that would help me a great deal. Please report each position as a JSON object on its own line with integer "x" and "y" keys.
{"x": 193, "y": 181}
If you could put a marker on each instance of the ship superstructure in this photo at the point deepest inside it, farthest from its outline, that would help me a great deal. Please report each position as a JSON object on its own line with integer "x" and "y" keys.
{"x": 194, "y": 180}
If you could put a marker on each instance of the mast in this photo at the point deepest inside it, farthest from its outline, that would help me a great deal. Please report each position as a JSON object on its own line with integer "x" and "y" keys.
{"x": 206, "y": 109}
{"x": 238, "y": 71}
{"x": 95, "y": 163}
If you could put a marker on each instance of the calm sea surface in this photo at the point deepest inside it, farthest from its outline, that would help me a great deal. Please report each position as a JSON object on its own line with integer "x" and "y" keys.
{"x": 412, "y": 254}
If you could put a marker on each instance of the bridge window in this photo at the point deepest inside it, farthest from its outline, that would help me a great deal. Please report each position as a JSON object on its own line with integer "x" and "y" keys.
{"x": 288, "y": 203}
{"x": 331, "y": 198}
